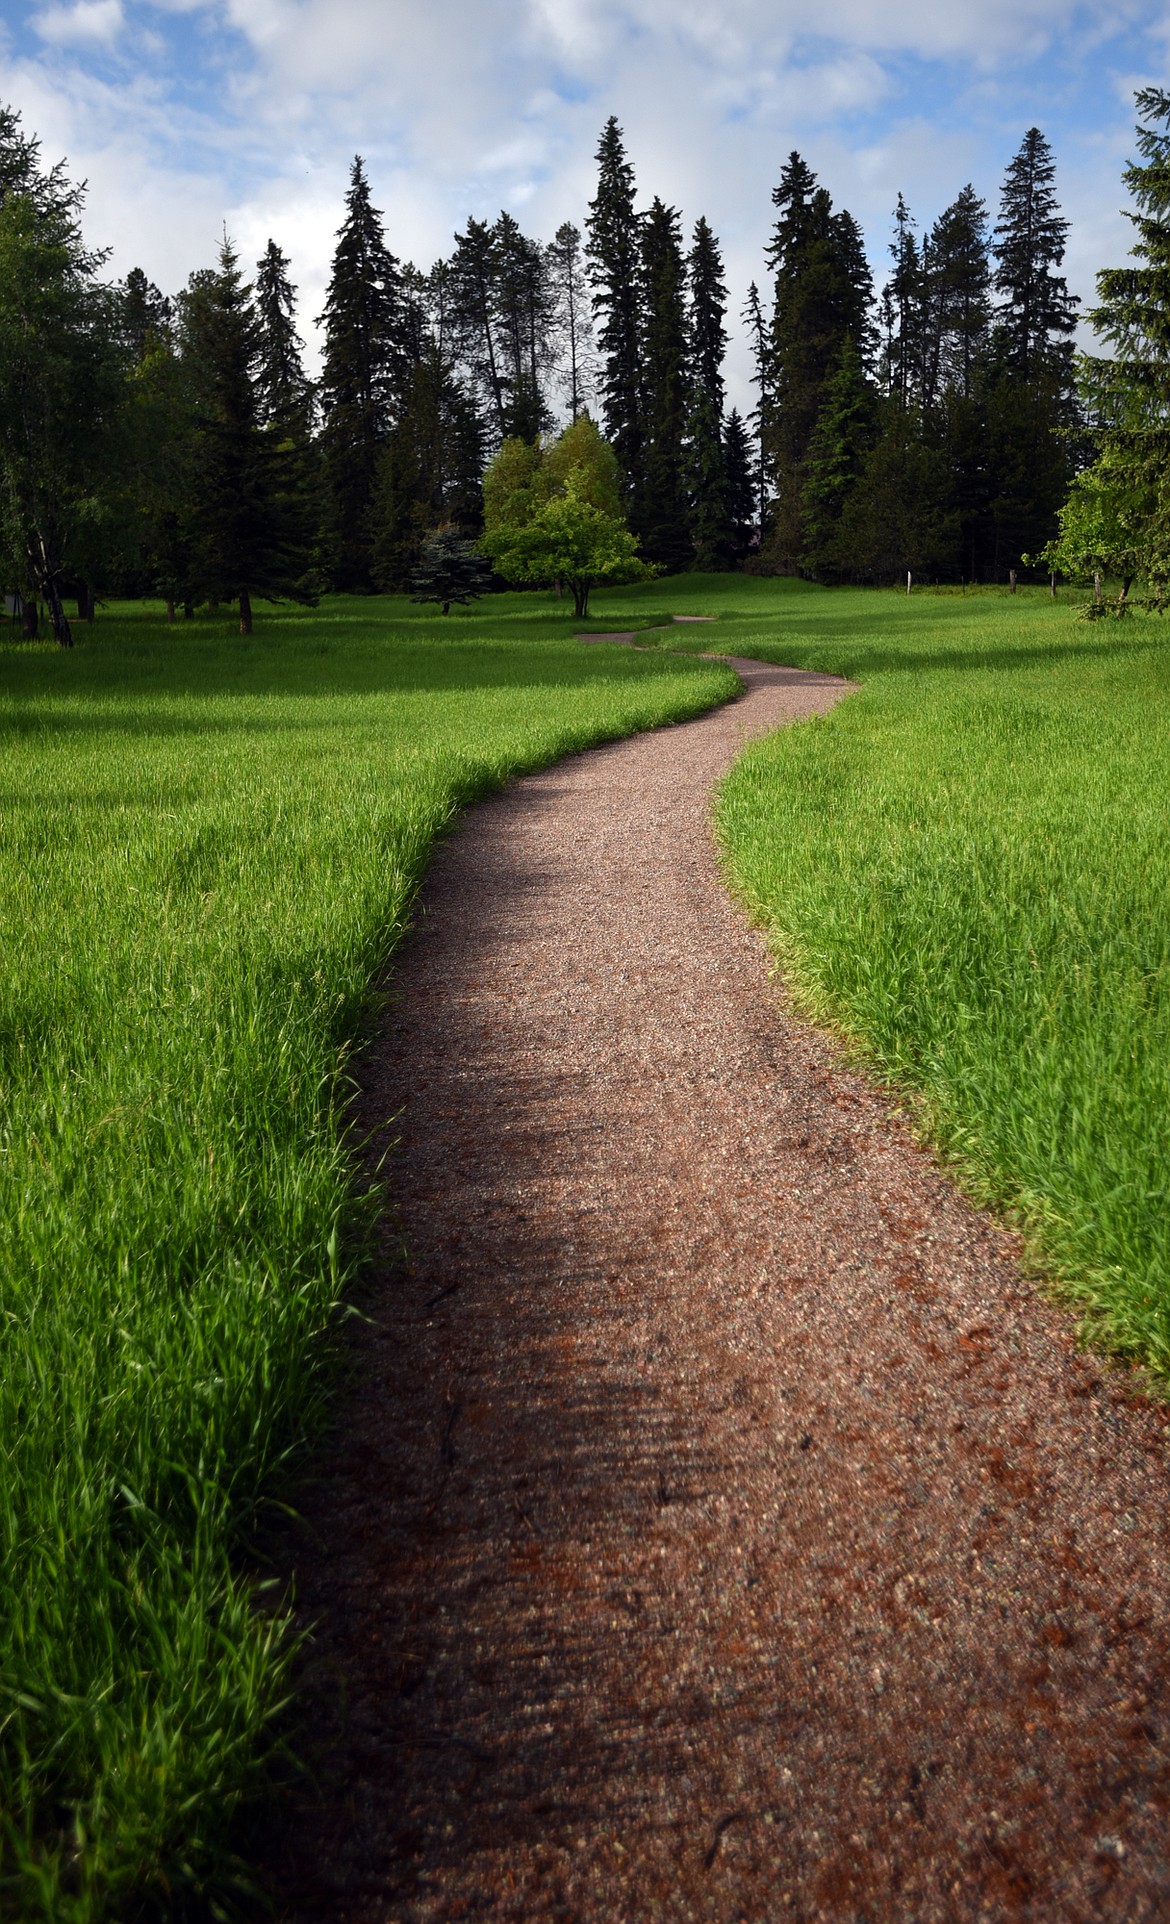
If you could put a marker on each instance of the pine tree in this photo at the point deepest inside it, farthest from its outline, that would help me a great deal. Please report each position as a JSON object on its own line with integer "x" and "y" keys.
{"x": 710, "y": 526}
{"x": 902, "y": 314}
{"x": 572, "y": 317}
{"x": 473, "y": 320}
{"x": 761, "y": 415}
{"x": 361, "y": 375}
{"x": 450, "y": 569}
{"x": 282, "y": 385}
{"x": 1038, "y": 314}
{"x": 145, "y": 316}
{"x": 524, "y": 311}
{"x": 739, "y": 466}
{"x": 613, "y": 252}
{"x": 660, "y": 506}
{"x": 1117, "y": 518}
{"x": 844, "y": 434}
{"x": 957, "y": 297}
{"x": 430, "y": 469}
{"x": 823, "y": 297}
{"x": 248, "y": 522}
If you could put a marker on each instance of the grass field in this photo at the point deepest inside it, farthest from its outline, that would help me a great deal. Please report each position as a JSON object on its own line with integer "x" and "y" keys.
{"x": 208, "y": 847}
{"x": 966, "y": 869}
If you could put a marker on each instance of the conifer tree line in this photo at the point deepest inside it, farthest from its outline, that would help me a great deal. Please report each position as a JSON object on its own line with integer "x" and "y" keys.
{"x": 177, "y": 446}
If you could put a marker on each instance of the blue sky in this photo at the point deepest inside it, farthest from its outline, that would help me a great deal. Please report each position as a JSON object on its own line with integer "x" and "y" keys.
{"x": 185, "y": 114}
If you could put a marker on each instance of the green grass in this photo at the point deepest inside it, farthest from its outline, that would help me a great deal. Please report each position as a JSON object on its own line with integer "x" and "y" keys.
{"x": 966, "y": 869}
{"x": 208, "y": 847}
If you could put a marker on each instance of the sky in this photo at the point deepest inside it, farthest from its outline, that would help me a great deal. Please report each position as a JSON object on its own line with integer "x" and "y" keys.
{"x": 184, "y": 115}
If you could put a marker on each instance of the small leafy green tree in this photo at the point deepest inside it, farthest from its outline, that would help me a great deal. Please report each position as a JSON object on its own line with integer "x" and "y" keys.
{"x": 555, "y": 514}
{"x": 569, "y": 540}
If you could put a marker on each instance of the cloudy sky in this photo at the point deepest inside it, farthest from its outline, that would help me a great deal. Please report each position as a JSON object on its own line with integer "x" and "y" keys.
{"x": 184, "y": 114}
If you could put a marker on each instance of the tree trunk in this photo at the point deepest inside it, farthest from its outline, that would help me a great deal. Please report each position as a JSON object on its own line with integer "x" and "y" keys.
{"x": 1126, "y": 585}
{"x": 1012, "y": 579}
{"x": 85, "y": 602}
{"x": 170, "y": 612}
{"x": 188, "y": 611}
{"x": 446, "y": 607}
{"x": 1052, "y": 586}
{"x": 62, "y": 632}
{"x": 30, "y": 620}
{"x": 245, "y": 612}
{"x": 581, "y": 600}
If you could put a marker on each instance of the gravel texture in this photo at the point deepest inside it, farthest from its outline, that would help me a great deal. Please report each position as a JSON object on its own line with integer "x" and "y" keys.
{"x": 718, "y": 1526}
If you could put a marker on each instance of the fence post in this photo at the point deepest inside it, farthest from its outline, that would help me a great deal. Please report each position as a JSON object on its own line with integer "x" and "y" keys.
{"x": 1012, "y": 578}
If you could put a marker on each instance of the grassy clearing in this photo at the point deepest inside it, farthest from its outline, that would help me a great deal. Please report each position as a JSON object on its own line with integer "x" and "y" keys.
{"x": 207, "y": 848}
{"x": 966, "y": 868}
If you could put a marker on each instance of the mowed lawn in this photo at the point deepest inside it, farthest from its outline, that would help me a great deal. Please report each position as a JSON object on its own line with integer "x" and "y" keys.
{"x": 208, "y": 848}
{"x": 966, "y": 869}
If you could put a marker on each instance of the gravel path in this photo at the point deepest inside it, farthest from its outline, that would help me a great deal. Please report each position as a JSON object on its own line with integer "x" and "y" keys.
{"x": 719, "y": 1528}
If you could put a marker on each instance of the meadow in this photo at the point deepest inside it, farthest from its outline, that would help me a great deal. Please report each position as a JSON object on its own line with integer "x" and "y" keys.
{"x": 208, "y": 850}
{"x": 965, "y": 871}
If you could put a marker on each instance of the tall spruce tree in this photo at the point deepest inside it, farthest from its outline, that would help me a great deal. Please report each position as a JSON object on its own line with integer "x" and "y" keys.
{"x": 472, "y": 317}
{"x": 740, "y": 468}
{"x": 282, "y": 386}
{"x": 756, "y": 328}
{"x": 1038, "y": 314}
{"x": 823, "y": 297}
{"x": 614, "y": 256}
{"x": 958, "y": 297}
{"x": 525, "y": 307}
{"x": 249, "y": 526}
{"x": 844, "y": 434}
{"x": 710, "y": 523}
{"x": 1031, "y": 399}
{"x": 660, "y": 505}
{"x": 1117, "y": 518}
{"x": 361, "y": 375}
{"x": 572, "y": 317}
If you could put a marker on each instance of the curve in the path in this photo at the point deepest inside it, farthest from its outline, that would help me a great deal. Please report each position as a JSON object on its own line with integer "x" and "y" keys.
{"x": 720, "y": 1529}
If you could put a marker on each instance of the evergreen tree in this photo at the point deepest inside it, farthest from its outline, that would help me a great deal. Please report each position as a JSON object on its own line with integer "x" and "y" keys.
{"x": 760, "y": 417}
{"x": 572, "y": 319}
{"x": 361, "y": 376}
{"x": 823, "y": 297}
{"x": 739, "y": 466}
{"x": 282, "y": 386}
{"x": 472, "y": 317}
{"x": 613, "y": 252}
{"x": 524, "y": 308}
{"x": 660, "y": 505}
{"x": 902, "y": 314}
{"x": 250, "y": 531}
{"x": 60, "y": 386}
{"x": 430, "y": 469}
{"x": 1117, "y": 518}
{"x": 1038, "y": 315}
{"x": 844, "y": 433}
{"x": 450, "y": 569}
{"x": 957, "y": 296}
{"x": 145, "y": 316}
{"x": 710, "y": 525}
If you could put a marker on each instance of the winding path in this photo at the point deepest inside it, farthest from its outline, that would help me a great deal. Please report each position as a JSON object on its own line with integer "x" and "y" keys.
{"x": 719, "y": 1527}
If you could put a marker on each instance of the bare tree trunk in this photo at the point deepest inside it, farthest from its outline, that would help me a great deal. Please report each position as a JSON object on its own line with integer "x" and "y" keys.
{"x": 30, "y": 620}
{"x": 581, "y": 600}
{"x": 1012, "y": 579}
{"x": 188, "y": 611}
{"x": 170, "y": 612}
{"x": 62, "y": 632}
{"x": 245, "y": 612}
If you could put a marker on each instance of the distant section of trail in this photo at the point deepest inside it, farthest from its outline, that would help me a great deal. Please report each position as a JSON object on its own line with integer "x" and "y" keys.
{"x": 718, "y": 1527}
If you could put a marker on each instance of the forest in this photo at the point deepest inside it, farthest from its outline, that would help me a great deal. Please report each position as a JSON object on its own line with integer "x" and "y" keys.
{"x": 175, "y": 445}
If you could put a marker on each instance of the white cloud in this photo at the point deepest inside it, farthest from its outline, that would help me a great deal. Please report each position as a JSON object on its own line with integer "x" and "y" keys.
{"x": 463, "y": 106}
{"x": 87, "y": 22}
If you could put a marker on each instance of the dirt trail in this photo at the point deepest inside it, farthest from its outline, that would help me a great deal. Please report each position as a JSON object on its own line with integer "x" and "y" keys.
{"x": 718, "y": 1527}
